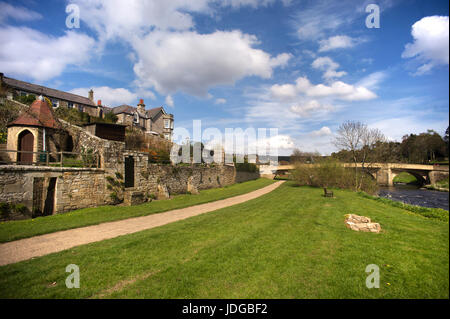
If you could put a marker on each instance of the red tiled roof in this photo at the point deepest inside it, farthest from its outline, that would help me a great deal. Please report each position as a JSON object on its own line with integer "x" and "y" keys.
{"x": 39, "y": 114}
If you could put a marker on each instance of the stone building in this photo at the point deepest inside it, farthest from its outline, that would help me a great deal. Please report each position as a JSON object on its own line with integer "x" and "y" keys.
{"x": 35, "y": 130}
{"x": 154, "y": 121}
{"x": 58, "y": 98}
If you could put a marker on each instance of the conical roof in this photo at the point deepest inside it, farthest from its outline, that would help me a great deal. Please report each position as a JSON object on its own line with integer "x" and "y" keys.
{"x": 39, "y": 114}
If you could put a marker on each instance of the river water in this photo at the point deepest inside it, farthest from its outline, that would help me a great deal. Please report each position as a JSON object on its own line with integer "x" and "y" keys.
{"x": 413, "y": 195}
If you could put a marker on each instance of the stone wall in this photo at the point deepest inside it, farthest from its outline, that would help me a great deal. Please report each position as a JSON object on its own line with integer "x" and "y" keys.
{"x": 110, "y": 152}
{"x": 74, "y": 188}
{"x": 52, "y": 190}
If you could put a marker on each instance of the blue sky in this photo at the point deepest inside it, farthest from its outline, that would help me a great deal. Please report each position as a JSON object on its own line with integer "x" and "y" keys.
{"x": 303, "y": 67}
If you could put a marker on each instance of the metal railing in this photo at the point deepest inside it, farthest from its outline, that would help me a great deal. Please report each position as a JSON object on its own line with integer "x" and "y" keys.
{"x": 51, "y": 159}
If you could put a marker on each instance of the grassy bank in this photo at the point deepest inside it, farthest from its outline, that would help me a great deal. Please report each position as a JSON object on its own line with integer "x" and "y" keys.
{"x": 405, "y": 178}
{"x": 290, "y": 243}
{"x": 14, "y": 230}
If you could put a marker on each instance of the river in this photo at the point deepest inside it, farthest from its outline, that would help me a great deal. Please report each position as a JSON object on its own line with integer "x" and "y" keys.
{"x": 413, "y": 195}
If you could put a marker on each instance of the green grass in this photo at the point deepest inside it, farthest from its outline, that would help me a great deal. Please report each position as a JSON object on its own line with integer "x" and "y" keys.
{"x": 14, "y": 230}
{"x": 405, "y": 178}
{"x": 290, "y": 243}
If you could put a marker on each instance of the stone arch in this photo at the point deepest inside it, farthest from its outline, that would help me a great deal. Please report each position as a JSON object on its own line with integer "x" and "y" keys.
{"x": 418, "y": 175}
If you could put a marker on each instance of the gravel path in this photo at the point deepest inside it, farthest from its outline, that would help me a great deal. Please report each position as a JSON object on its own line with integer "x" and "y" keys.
{"x": 27, "y": 248}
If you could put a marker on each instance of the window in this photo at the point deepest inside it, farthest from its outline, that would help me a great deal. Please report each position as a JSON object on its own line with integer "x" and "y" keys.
{"x": 171, "y": 125}
{"x": 55, "y": 102}
{"x": 166, "y": 123}
{"x": 167, "y": 136}
{"x": 70, "y": 105}
{"x": 136, "y": 118}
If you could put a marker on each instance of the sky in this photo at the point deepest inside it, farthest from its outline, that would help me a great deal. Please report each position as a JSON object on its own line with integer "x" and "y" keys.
{"x": 303, "y": 67}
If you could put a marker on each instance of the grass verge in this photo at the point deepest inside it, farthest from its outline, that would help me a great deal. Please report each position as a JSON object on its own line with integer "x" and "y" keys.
{"x": 13, "y": 230}
{"x": 290, "y": 243}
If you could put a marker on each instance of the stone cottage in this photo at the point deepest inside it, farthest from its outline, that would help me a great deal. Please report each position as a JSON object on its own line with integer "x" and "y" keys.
{"x": 154, "y": 121}
{"x": 35, "y": 130}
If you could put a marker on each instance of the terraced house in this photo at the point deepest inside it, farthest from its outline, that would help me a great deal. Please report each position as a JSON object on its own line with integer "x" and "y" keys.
{"x": 155, "y": 121}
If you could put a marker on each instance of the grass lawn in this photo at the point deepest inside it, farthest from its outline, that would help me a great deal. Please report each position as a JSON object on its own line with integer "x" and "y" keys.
{"x": 14, "y": 230}
{"x": 290, "y": 243}
{"x": 405, "y": 178}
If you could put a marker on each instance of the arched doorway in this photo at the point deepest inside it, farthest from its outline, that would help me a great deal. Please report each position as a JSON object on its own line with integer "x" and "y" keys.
{"x": 25, "y": 144}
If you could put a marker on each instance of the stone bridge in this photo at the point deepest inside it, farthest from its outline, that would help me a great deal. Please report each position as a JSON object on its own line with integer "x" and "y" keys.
{"x": 384, "y": 173}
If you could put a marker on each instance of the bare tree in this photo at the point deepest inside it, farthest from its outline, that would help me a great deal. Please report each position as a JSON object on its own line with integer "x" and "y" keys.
{"x": 360, "y": 141}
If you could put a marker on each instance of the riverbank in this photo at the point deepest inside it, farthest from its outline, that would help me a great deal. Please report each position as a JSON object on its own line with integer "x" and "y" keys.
{"x": 290, "y": 243}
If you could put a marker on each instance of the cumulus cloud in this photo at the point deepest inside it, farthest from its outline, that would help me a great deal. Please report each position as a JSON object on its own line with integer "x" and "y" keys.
{"x": 329, "y": 66}
{"x": 308, "y": 108}
{"x": 431, "y": 43}
{"x": 17, "y": 13}
{"x": 118, "y": 18}
{"x": 324, "y": 131}
{"x": 337, "y": 89}
{"x": 193, "y": 62}
{"x": 30, "y": 53}
{"x": 113, "y": 96}
{"x": 337, "y": 42}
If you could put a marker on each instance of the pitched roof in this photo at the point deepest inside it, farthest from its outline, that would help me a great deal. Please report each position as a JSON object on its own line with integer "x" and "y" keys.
{"x": 124, "y": 109}
{"x": 52, "y": 93}
{"x": 38, "y": 114}
{"x": 153, "y": 112}
{"x": 128, "y": 109}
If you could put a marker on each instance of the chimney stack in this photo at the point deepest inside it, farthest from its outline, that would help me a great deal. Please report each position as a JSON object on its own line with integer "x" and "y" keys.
{"x": 91, "y": 95}
{"x": 141, "y": 106}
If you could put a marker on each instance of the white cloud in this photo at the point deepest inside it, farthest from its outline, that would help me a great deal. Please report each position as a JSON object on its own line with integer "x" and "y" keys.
{"x": 193, "y": 62}
{"x": 431, "y": 43}
{"x": 337, "y": 42}
{"x": 30, "y": 53}
{"x": 318, "y": 18}
{"x": 284, "y": 92}
{"x": 372, "y": 80}
{"x": 324, "y": 131}
{"x": 329, "y": 66}
{"x": 280, "y": 142}
{"x": 169, "y": 101}
{"x": 117, "y": 18}
{"x": 220, "y": 101}
{"x": 112, "y": 96}
{"x": 308, "y": 108}
{"x": 337, "y": 89}
{"x": 17, "y": 13}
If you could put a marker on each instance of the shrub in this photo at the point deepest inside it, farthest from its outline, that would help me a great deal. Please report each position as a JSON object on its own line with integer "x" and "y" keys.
{"x": 330, "y": 172}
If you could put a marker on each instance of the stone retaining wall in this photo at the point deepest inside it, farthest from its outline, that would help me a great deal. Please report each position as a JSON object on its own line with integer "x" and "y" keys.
{"x": 76, "y": 188}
